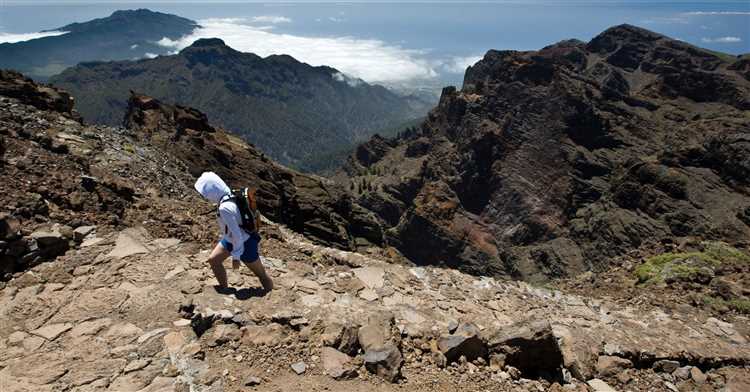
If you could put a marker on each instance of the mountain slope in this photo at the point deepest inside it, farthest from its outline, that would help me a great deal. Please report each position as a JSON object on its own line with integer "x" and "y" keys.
{"x": 123, "y": 35}
{"x": 551, "y": 162}
{"x": 53, "y": 169}
{"x": 292, "y": 111}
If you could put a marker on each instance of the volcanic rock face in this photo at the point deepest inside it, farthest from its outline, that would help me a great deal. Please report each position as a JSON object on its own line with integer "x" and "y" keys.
{"x": 15, "y": 85}
{"x": 305, "y": 203}
{"x": 58, "y": 175}
{"x": 548, "y": 163}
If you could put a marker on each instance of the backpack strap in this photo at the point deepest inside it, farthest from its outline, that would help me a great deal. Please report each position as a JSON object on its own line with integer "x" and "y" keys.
{"x": 228, "y": 197}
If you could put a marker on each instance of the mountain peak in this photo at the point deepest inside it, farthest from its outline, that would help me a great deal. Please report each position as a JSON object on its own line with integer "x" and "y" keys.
{"x": 623, "y": 34}
{"x": 136, "y": 12}
{"x": 207, "y": 48}
{"x": 208, "y": 42}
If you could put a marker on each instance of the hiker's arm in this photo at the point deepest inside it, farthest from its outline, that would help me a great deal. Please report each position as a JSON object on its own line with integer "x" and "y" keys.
{"x": 230, "y": 219}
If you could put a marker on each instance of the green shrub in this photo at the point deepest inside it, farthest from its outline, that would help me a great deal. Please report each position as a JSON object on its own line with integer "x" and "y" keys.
{"x": 713, "y": 255}
{"x": 738, "y": 305}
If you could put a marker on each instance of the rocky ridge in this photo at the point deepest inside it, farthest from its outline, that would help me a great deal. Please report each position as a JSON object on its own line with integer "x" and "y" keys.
{"x": 300, "y": 115}
{"x": 109, "y": 177}
{"x": 550, "y": 163}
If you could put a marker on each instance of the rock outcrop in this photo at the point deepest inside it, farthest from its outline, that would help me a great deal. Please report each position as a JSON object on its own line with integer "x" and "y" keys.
{"x": 312, "y": 205}
{"x": 549, "y": 163}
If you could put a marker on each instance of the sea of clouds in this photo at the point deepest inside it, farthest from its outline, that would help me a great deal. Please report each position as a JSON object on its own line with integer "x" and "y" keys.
{"x": 18, "y": 37}
{"x": 371, "y": 60}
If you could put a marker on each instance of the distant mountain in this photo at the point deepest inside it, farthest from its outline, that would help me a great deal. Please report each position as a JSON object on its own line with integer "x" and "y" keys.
{"x": 123, "y": 35}
{"x": 298, "y": 114}
{"x": 549, "y": 163}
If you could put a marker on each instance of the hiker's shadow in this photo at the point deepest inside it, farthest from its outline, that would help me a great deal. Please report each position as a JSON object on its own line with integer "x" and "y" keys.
{"x": 249, "y": 292}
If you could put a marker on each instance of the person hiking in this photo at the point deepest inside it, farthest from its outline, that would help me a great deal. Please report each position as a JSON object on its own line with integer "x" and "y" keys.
{"x": 235, "y": 241}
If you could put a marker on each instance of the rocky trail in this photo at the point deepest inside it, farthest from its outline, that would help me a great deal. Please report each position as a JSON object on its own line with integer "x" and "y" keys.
{"x": 127, "y": 312}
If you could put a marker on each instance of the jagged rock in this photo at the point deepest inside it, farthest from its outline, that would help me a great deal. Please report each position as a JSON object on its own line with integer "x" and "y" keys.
{"x": 343, "y": 337}
{"x": 52, "y": 331}
{"x": 598, "y": 385}
{"x": 529, "y": 346}
{"x": 224, "y": 333}
{"x": 682, "y": 373}
{"x": 337, "y": 364}
{"x": 252, "y": 381}
{"x": 381, "y": 347}
{"x": 372, "y": 277}
{"x": 9, "y": 227}
{"x": 51, "y": 243}
{"x": 464, "y": 342}
{"x": 378, "y": 332}
{"x": 666, "y": 366}
{"x": 119, "y": 307}
{"x": 136, "y": 365}
{"x": 81, "y": 232}
{"x": 385, "y": 361}
{"x": 299, "y": 367}
{"x": 128, "y": 243}
{"x": 15, "y": 85}
{"x": 697, "y": 375}
{"x": 607, "y": 366}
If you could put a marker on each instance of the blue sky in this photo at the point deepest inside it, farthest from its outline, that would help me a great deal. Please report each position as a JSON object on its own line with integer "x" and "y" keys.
{"x": 405, "y": 43}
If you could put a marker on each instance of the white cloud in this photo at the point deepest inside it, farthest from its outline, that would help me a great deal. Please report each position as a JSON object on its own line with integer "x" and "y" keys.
{"x": 369, "y": 59}
{"x": 722, "y": 40}
{"x": 134, "y": 46}
{"x": 335, "y": 19}
{"x": 459, "y": 64}
{"x": 270, "y": 19}
{"x": 354, "y": 82}
{"x": 150, "y": 55}
{"x": 18, "y": 37}
{"x": 710, "y": 13}
{"x": 666, "y": 20}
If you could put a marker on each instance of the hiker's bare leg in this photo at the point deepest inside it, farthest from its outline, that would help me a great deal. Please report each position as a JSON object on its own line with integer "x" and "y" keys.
{"x": 216, "y": 260}
{"x": 259, "y": 271}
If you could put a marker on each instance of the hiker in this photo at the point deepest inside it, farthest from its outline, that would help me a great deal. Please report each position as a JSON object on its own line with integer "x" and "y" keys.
{"x": 237, "y": 242}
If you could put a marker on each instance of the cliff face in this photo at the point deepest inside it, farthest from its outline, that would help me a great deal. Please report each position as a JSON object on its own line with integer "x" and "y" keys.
{"x": 550, "y": 162}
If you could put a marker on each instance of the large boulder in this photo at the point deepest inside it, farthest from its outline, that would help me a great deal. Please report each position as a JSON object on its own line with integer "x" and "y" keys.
{"x": 529, "y": 346}
{"x": 337, "y": 364}
{"x": 381, "y": 345}
{"x": 464, "y": 342}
